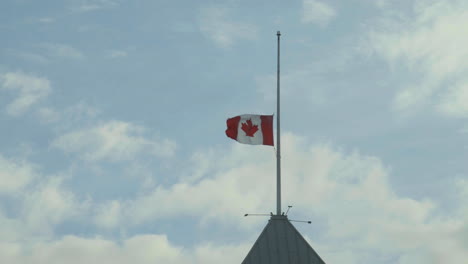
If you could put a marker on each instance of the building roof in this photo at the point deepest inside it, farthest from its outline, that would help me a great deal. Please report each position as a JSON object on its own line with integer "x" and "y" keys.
{"x": 281, "y": 243}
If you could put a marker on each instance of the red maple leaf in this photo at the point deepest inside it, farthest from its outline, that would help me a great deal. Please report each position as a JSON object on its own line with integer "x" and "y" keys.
{"x": 249, "y": 128}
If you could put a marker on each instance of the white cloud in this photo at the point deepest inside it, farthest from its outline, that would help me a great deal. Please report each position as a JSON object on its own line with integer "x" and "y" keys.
{"x": 33, "y": 57}
{"x": 93, "y": 5}
{"x": 317, "y": 12}
{"x": 81, "y": 111}
{"x": 215, "y": 24}
{"x": 350, "y": 192}
{"x": 50, "y": 52}
{"x": 378, "y": 3}
{"x": 48, "y": 115}
{"x": 46, "y": 20}
{"x": 38, "y": 202}
{"x": 113, "y": 141}
{"x": 14, "y": 175}
{"x": 144, "y": 249}
{"x": 68, "y": 117}
{"x": 30, "y": 90}
{"x": 434, "y": 46}
{"x": 212, "y": 253}
{"x": 88, "y": 7}
{"x": 48, "y": 204}
{"x": 72, "y": 249}
{"x": 455, "y": 101}
{"x": 116, "y": 53}
{"x": 63, "y": 51}
{"x": 28, "y": 235}
{"x": 108, "y": 214}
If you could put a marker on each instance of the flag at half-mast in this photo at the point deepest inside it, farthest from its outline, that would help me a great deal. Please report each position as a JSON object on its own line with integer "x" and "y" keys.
{"x": 251, "y": 129}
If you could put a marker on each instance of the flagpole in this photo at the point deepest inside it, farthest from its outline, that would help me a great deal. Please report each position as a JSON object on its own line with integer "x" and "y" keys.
{"x": 278, "y": 139}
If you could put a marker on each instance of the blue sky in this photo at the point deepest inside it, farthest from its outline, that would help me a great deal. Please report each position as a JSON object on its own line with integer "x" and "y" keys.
{"x": 113, "y": 116}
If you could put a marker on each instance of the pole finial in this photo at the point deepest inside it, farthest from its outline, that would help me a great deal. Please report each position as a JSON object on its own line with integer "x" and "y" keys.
{"x": 278, "y": 33}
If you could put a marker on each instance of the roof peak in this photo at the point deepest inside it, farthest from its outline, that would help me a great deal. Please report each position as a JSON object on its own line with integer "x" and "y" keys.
{"x": 280, "y": 243}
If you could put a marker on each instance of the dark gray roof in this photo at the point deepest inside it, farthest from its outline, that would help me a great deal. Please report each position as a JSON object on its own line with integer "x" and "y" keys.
{"x": 281, "y": 243}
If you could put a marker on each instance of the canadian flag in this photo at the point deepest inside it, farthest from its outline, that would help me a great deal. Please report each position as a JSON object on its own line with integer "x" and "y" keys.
{"x": 251, "y": 129}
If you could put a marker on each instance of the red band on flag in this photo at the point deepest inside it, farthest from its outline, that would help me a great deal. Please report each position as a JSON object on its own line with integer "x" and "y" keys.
{"x": 232, "y": 127}
{"x": 267, "y": 129}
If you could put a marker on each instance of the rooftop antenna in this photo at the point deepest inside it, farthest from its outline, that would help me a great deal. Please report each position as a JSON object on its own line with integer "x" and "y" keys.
{"x": 257, "y": 215}
{"x": 300, "y": 221}
{"x": 289, "y": 207}
{"x": 293, "y": 220}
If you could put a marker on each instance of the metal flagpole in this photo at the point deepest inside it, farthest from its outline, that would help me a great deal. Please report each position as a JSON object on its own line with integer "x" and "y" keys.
{"x": 278, "y": 139}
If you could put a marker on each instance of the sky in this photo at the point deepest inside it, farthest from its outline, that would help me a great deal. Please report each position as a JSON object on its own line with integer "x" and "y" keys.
{"x": 113, "y": 112}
